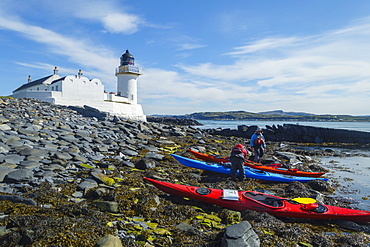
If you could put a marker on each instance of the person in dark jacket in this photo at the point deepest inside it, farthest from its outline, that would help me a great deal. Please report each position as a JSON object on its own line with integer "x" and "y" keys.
{"x": 237, "y": 157}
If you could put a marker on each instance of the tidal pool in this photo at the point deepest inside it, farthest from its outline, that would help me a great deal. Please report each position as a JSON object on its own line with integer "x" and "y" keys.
{"x": 353, "y": 176}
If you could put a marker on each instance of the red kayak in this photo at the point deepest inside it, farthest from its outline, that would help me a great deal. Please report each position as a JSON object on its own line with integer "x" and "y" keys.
{"x": 218, "y": 159}
{"x": 260, "y": 202}
{"x": 254, "y": 165}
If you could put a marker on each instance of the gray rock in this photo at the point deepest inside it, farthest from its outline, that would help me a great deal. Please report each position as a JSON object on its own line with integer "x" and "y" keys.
{"x": 87, "y": 184}
{"x": 240, "y": 234}
{"x": 4, "y": 148}
{"x": 79, "y": 158}
{"x": 151, "y": 149}
{"x": 97, "y": 157}
{"x": 18, "y": 199}
{"x": 4, "y": 171}
{"x": 165, "y": 142}
{"x": 130, "y": 152}
{"x": 8, "y": 165}
{"x": 51, "y": 147}
{"x": 128, "y": 163}
{"x": 7, "y": 189}
{"x": 29, "y": 164}
{"x": 109, "y": 241}
{"x": 14, "y": 143}
{"x": 18, "y": 176}
{"x": 34, "y": 152}
{"x": 82, "y": 133}
{"x": 34, "y": 158}
{"x": 28, "y": 132}
{"x": 14, "y": 158}
{"x": 144, "y": 164}
{"x": 45, "y": 174}
{"x": 142, "y": 136}
{"x": 77, "y": 194}
{"x": 154, "y": 156}
{"x": 5, "y": 127}
{"x": 108, "y": 206}
{"x": 184, "y": 227}
{"x": 63, "y": 156}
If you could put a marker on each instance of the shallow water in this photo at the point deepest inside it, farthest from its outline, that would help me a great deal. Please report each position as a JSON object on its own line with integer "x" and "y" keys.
{"x": 213, "y": 124}
{"x": 353, "y": 175}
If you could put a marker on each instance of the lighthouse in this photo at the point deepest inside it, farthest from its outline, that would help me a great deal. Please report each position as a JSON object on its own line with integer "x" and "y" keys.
{"x": 127, "y": 74}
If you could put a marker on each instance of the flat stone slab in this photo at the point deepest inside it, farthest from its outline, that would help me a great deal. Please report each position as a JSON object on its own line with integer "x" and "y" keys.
{"x": 18, "y": 176}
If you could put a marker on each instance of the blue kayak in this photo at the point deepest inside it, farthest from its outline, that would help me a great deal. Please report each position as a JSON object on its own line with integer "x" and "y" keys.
{"x": 249, "y": 172}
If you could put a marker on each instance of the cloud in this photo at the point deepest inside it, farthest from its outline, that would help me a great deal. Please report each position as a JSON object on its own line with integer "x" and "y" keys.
{"x": 188, "y": 46}
{"x": 265, "y": 44}
{"x": 78, "y": 51}
{"x": 121, "y": 23}
{"x": 110, "y": 14}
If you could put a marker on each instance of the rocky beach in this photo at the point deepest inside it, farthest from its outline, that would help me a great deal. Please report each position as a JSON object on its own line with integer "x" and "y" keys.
{"x": 70, "y": 180}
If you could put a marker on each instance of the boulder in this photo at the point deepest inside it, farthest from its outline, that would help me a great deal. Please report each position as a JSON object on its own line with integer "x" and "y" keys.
{"x": 109, "y": 241}
{"x": 240, "y": 234}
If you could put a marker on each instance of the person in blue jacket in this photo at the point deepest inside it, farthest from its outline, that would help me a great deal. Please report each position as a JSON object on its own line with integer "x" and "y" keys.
{"x": 258, "y": 145}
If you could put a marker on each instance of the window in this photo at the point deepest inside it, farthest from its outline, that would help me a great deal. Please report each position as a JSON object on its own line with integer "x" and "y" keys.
{"x": 38, "y": 89}
{"x": 56, "y": 88}
{"x": 52, "y": 88}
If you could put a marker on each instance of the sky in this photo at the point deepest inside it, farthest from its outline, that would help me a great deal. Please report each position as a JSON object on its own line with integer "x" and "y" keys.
{"x": 199, "y": 56}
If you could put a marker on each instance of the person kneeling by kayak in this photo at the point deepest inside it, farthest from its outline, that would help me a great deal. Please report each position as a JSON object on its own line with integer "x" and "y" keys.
{"x": 237, "y": 157}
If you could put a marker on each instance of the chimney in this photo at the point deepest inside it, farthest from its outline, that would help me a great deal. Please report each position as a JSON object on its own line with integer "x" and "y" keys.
{"x": 29, "y": 79}
{"x": 79, "y": 74}
{"x": 55, "y": 70}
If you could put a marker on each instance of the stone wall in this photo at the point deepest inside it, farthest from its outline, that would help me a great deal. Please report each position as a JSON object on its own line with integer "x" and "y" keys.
{"x": 298, "y": 133}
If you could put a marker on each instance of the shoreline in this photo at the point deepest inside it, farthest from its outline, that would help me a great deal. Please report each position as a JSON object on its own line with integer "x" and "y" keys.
{"x": 77, "y": 180}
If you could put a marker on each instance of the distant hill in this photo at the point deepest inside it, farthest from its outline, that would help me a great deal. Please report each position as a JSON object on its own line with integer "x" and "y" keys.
{"x": 280, "y": 112}
{"x": 276, "y": 115}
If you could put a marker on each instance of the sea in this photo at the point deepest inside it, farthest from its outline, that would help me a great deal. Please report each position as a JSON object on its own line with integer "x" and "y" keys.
{"x": 349, "y": 175}
{"x": 213, "y": 124}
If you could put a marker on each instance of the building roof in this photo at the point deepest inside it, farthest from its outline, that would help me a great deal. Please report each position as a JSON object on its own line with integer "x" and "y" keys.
{"x": 33, "y": 83}
{"x": 60, "y": 79}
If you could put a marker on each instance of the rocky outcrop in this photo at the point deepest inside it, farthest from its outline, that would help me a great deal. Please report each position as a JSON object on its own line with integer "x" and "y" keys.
{"x": 173, "y": 121}
{"x": 298, "y": 133}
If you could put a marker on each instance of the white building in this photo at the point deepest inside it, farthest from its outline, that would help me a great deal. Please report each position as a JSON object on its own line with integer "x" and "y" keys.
{"x": 80, "y": 91}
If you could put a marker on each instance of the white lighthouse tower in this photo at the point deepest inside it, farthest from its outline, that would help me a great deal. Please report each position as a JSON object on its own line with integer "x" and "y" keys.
{"x": 127, "y": 74}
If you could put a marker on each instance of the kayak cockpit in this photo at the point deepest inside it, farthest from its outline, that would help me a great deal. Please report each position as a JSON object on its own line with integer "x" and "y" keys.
{"x": 264, "y": 199}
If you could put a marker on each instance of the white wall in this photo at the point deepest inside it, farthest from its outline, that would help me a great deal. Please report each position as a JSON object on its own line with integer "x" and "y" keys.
{"x": 82, "y": 88}
{"x": 129, "y": 111}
